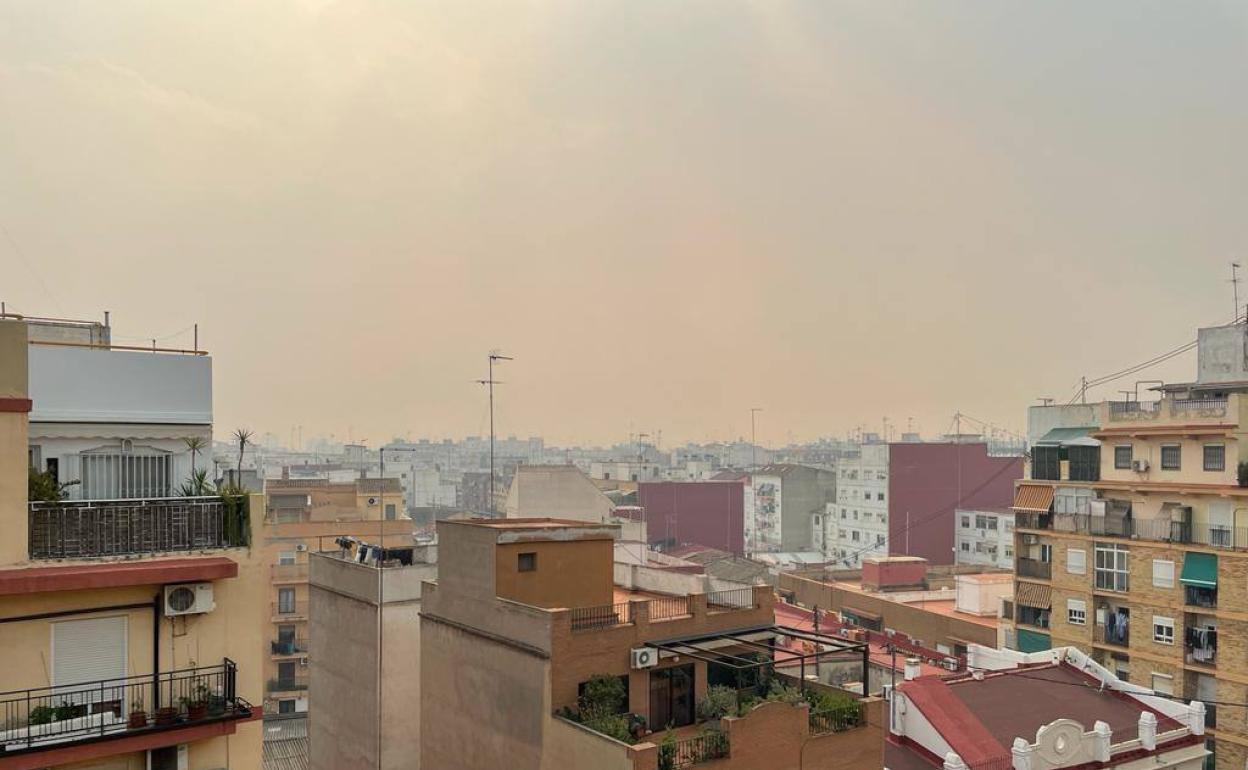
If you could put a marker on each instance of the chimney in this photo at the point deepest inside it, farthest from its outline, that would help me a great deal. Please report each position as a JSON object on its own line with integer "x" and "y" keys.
{"x": 912, "y": 669}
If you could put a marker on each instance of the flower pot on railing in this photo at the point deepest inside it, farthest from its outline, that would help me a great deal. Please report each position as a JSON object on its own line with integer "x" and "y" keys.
{"x": 166, "y": 715}
{"x": 216, "y": 705}
{"x": 137, "y": 720}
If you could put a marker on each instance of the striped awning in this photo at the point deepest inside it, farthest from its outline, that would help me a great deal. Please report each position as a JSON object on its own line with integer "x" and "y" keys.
{"x": 1033, "y": 498}
{"x": 1034, "y": 595}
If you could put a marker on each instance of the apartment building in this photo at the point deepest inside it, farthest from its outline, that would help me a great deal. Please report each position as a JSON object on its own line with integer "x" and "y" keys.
{"x": 788, "y": 505}
{"x": 985, "y": 537}
{"x": 681, "y": 513}
{"x": 513, "y": 651}
{"x": 1132, "y": 539}
{"x": 364, "y": 676}
{"x": 128, "y": 439}
{"x": 304, "y": 516}
{"x": 1057, "y": 709}
{"x": 129, "y": 627}
{"x": 900, "y": 499}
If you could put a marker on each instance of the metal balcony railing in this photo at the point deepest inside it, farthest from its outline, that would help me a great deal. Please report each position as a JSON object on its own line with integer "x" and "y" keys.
{"x": 289, "y": 683}
{"x": 288, "y": 646}
{"x": 52, "y": 717}
{"x": 1032, "y": 568}
{"x": 71, "y": 529}
{"x": 604, "y": 616}
{"x": 1159, "y": 530}
{"x": 735, "y": 598}
{"x": 693, "y": 751}
{"x": 838, "y": 719}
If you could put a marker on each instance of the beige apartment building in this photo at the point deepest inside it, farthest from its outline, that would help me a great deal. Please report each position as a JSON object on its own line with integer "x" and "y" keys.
{"x": 524, "y": 621}
{"x": 1132, "y": 539}
{"x": 128, "y": 626}
{"x": 302, "y": 517}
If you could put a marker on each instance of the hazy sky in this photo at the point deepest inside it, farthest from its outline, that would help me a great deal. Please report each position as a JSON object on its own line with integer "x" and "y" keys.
{"x": 668, "y": 211}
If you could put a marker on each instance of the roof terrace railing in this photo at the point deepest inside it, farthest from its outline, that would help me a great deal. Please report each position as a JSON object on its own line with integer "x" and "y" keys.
{"x": 838, "y": 719}
{"x": 71, "y": 529}
{"x": 603, "y": 616}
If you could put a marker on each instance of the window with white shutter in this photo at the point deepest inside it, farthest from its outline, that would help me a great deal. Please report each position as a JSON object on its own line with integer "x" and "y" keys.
{"x": 88, "y": 650}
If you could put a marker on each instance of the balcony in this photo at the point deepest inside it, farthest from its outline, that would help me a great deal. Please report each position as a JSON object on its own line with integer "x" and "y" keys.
{"x": 74, "y": 529}
{"x": 288, "y": 646}
{"x": 1158, "y": 530}
{"x": 295, "y": 683}
{"x": 1032, "y": 568}
{"x": 1198, "y": 596}
{"x": 659, "y": 609}
{"x": 1111, "y": 637}
{"x": 47, "y": 718}
{"x": 1167, "y": 409}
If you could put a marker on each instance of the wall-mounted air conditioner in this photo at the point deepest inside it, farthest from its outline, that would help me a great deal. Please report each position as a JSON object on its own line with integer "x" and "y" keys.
{"x": 645, "y": 657}
{"x": 301, "y": 547}
{"x": 1139, "y": 466}
{"x": 188, "y": 599}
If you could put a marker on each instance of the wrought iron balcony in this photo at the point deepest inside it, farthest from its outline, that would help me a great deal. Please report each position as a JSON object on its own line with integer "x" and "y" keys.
{"x": 51, "y": 717}
{"x": 72, "y": 529}
{"x": 289, "y": 683}
{"x": 289, "y": 646}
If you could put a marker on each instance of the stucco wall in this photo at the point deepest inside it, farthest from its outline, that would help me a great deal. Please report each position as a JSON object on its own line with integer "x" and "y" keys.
{"x": 573, "y": 573}
{"x": 14, "y": 440}
{"x": 705, "y": 513}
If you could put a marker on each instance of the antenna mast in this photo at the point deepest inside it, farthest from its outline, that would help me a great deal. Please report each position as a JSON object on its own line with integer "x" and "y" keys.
{"x": 490, "y": 382}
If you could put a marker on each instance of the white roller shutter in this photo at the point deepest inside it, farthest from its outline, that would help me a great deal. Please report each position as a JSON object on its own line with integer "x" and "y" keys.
{"x": 88, "y": 650}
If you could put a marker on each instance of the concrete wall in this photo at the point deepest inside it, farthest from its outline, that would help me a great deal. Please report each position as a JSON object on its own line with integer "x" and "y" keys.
{"x": 1222, "y": 354}
{"x": 1042, "y": 419}
{"x": 14, "y": 440}
{"x": 664, "y": 581}
{"x": 702, "y": 513}
{"x": 570, "y": 745}
{"x": 557, "y": 491}
{"x": 807, "y": 491}
{"x": 573, "y": 573}
{"x": 72, "y": 384}
{"x": 931, "y": 627}
{"x": 776, "y": 736}
{"x": 928, "y": 481}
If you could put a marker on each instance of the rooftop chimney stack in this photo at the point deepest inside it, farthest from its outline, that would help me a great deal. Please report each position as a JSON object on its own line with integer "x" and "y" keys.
{"x": 912, "y": 669}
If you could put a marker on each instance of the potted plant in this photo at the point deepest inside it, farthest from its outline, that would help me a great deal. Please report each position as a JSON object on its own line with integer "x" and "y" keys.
{"x": 66, "y": 710}
{"x": 719, "y": 702}
{"x": 138, "y": 717}
{"x": 197, "y": 705}
{"x": 216, "y": 704}
{"x": 166, "y": 715}
{"x": 40, "y": 715}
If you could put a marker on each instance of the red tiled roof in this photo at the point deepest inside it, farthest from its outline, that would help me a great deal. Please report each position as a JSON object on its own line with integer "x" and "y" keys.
{"x": 955, "y": 721}
{"x": 87, "y": 575}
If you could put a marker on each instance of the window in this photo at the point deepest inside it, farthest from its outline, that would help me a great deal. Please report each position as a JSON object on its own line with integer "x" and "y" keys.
{"x": 285, "y": 674}
{"x": 390, "y": 513}
{"x": 1046, "y": 553}
{"x": 286, "y": 634}
{"x": 1111, "y": 566}
{"x": 1076, "y": 612}
{"x": 286, "y": 558}
{"x": 1171, "y": 457}
{"x": 1076, "y": 561}
{"x": 855, "y": 536}
{"x": 1163, "y": 573}
{"x": 1122, "y": 457}
{"x": 526, "y": 562}
{"x": 855, "y": 515}
{"x": 879, "y": 495}
{"x": 1163, "y": 684}
{"x": 843, "y": 513}
{"x": 1163, "y": 630}
{"x": 285, "y": 601}
{"x": 1215, "y": 457}
{"x": 816, "y": 521}
{"x": 966, "y": 546}
{"x": 286, "y": 706}
{"x": 966, "y": 522}
{"x": 1009, "y": 552}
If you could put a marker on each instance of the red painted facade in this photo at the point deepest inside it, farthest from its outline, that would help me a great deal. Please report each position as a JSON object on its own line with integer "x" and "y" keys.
{"x": 925, "y": 482}
{"x": 889, "y": 573}
{"x": 708, "y": 513}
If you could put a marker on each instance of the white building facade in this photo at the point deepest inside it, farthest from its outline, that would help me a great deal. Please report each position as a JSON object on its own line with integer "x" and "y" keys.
{"x": 985, "y": 537}
{"x": 860, "y": 514}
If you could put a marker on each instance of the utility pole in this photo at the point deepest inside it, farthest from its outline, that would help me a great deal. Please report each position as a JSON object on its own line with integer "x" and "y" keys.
{"x": 753, "y": 437}
{"x": 490, "y": 382}
{"x": 1235, "y": 288}
{"x": 1083, "y": 390}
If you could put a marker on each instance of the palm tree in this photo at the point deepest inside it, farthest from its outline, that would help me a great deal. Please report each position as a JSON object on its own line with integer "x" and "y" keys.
{"x": 194, "y": 445}
{"x": 243, "y": 437}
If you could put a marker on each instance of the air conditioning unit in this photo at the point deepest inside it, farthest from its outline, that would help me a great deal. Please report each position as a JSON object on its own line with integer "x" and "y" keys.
{"x": 950, "y": 664}
{"x": 188, "y": 599}
{"x": 301, "y": 547}
{"x": 1029, "y": 539}
{"x": 645, "y": 657}
{"x": 1139, "y": 466}
{"x": 372, "y": 501}
{"x": 303, "y": 661}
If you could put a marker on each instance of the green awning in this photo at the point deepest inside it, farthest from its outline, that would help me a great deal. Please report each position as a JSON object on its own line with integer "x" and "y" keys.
{"x": 1032, "y": 641}
{"x": 1067, "y": 437}
{"x": 1200, "y": 569}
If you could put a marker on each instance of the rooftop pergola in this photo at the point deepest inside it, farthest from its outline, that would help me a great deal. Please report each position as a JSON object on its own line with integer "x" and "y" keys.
{"x": 710, "y": 648}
